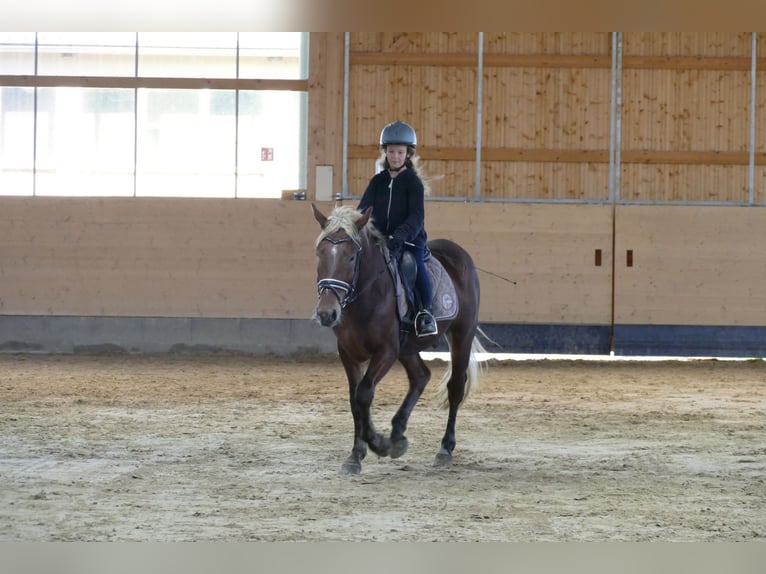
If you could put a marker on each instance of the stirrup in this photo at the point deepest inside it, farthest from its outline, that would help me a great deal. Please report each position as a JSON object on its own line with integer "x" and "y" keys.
{"x": 425, "y": 324}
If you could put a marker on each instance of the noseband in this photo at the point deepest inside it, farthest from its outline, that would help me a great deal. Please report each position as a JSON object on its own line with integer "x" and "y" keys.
{"x": 336, "y": 285}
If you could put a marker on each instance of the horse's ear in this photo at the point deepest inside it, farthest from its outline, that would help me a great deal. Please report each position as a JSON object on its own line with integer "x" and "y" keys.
{"x": 362, "y": 221}
{"x": 319, "y": 216}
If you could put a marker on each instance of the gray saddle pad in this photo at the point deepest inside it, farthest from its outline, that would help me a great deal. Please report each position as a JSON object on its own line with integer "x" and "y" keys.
{"x": 444, "y": 302}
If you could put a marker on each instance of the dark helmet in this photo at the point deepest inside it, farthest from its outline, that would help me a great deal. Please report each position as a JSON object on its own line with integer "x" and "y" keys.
{"x": 398, "y": 133}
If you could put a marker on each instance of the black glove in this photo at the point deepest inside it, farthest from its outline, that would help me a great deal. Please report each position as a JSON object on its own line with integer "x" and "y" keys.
{"x": 395, "y": 247}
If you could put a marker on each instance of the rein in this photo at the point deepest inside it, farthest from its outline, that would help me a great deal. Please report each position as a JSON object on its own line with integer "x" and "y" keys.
{"x": 350, "y": 294}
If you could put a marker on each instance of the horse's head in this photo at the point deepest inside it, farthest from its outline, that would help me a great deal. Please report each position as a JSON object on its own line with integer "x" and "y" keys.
{"x": 338, "y": 251}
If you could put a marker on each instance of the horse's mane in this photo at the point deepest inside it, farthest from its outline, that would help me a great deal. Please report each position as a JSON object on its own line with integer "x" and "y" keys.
{"x": 344, "y": 218}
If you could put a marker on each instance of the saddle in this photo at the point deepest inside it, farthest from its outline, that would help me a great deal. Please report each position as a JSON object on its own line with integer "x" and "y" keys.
{"x": 444, "y": 304}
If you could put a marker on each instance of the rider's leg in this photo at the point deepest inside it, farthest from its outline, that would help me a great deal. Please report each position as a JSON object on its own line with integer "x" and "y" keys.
{"x": 425, "y": 324}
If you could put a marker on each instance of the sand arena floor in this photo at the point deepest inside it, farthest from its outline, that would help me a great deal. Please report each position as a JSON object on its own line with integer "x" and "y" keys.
{"x": 193, "y": 448}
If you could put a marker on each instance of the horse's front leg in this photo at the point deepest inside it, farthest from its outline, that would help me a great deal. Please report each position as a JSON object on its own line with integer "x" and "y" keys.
{"x": 361, "y": 393}
{"x": 418, "y": 375}
{"x": 365, "y": 393}
{"x": 353, "y": 464}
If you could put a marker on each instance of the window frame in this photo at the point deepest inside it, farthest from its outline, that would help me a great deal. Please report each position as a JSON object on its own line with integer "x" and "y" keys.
{"x": 137, "y": 82}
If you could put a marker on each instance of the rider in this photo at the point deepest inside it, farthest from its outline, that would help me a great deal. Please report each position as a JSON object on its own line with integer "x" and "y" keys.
{"x": 396, "y": 195}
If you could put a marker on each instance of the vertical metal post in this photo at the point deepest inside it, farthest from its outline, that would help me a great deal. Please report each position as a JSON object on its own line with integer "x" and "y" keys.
{"x": 135, "y": 123}
{"x": 303, "y": 103}
{"x": 34, "y": 119}
{"x": 753, "y": 103}
{"x": 236, "y": 124}
{"x": 613, "y": 119}
{"x": 344, "y": 164}
{"x": 617, "y": 113}
{"x": 479, "y": 98}
{"x": 615, "y": 126}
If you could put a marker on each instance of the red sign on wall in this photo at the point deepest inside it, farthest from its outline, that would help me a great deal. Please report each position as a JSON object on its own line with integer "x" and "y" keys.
{"x": 267, "y": 154}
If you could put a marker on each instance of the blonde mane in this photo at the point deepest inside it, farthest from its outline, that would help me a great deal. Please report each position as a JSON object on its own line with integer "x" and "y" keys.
{"x": 344, "y": 218}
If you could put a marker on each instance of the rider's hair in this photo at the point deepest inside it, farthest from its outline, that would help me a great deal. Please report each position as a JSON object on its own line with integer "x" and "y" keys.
{"x": 412, "y": 162}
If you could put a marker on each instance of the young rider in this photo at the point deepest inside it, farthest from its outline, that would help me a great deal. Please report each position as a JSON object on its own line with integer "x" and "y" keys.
{"x": 396, "y": 195}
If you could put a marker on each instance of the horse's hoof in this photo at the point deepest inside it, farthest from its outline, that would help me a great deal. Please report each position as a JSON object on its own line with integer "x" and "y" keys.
{"x": 350, "y": 467}
{"x": 380, "y": 446}
{"x": 443, "y": 458}
{"x": 399, "y": 447}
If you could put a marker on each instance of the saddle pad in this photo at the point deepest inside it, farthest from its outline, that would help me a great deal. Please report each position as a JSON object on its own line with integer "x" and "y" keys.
{"x": 444, "y": 304}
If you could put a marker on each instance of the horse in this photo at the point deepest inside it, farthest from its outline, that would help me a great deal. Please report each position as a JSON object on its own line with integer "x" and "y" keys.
{"x": 357, "y": 299}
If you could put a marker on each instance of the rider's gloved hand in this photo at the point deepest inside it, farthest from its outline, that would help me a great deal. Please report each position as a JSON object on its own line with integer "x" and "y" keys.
{"x": 395, "y": 247}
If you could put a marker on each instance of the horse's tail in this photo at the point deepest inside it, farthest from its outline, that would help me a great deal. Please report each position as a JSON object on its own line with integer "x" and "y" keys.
{"x": 473, "y": 374}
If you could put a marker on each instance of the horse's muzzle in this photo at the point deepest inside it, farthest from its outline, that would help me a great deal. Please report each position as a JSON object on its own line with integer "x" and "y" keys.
{"x": 328, "y": 319}
{"x": 327, "y": 316}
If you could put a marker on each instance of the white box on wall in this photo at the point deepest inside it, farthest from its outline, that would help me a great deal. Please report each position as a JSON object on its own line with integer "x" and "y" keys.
{"x": 324, "y": 183}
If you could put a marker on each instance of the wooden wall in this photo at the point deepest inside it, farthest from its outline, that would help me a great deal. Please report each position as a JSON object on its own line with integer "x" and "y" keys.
{"x": 413, "y": 77}
{"x": 686, "y": 116}
{"x": 691, "y": 265}
{"x": 156, "y": 257}
{"x": 325, "y": 103}
{"x": 174, "y": 257}
{"x": 558, "y": 256}
{"x": 545, "y": 133}
{"x": 177, "y": 257}
{"x": 546, "y": 120}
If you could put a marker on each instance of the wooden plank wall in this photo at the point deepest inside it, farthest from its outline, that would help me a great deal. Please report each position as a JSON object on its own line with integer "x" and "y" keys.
{"x": 180, "y": 257}
{"x": 325, "y": 103}
{"x": 686, "y": 116}
{"x": 413, "y": 77}
{"x": 175, "y": 257}
{"x": 559, "y": 257}
{"x": 691, "y": 265}
{"x": 545, "y": 128}
{"x": 254, "y": 258}
{"x": 546, "y": 116}
{"x": 157, "y": 257}
{"x": 685, "y": 132}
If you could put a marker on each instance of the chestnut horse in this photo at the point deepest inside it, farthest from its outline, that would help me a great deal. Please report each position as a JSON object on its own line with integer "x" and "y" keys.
{"x": 357, "y": 299}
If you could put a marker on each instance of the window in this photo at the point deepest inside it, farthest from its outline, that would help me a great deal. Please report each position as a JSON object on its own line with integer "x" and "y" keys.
{"x": 153, "y": 114}
{"x": 86, "y": 53}
{"x": 187, "y": 54}
{"x": 85, "y": 141}
{"x": 17, "y": 145}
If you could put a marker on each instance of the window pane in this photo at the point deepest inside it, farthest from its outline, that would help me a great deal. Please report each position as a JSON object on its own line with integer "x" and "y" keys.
{"x": 160, "y": 142}
{"x": 187, "y": 54}
{"x": 186, "y": 141}
{"x": 17, "y": 130}
{"x": 87, "y": 53}
{"x": 272, "y": 148}
{"x": 17, "y": 53}
{"x": 85, "y": 141}
{"x": 273, "y": 55}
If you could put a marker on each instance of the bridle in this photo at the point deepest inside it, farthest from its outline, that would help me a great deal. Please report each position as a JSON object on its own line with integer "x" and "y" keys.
{"x": 336, "y": 286}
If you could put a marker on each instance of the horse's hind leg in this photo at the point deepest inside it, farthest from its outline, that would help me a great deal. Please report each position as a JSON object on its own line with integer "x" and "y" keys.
{"x": 419, "y": 375}
{"x": 460, "y": 356}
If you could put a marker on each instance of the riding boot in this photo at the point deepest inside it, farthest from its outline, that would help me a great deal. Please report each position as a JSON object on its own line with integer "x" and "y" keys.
{"x": 425, "y": 324}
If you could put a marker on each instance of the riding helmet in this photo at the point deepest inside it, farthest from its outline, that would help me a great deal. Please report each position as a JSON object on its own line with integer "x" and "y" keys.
{"x": 398, "y": 133}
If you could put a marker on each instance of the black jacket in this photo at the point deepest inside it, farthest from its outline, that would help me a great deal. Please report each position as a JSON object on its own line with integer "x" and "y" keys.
{"x": 397, "y": 209}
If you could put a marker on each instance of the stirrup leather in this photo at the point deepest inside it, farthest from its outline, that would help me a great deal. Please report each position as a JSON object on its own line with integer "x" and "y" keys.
{"x": 425, "y": 324}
